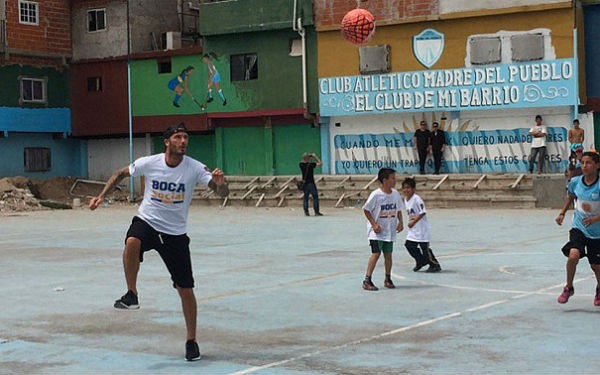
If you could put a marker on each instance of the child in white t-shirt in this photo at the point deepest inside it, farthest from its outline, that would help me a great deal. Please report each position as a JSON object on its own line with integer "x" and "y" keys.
{"x": 417, "y": 238}
{"x": 383, "y": 211}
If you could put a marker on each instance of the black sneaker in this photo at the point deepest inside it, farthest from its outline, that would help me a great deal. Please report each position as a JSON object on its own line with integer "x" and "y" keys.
{"x": 175, "y": 104}
{"x": 419, "y": 266}
{"x": 306, "y": 213}
{"x": 192, "y": 352}
{"x": 225, "y": 102}
{"x": 128, "y": 301}
{"x": 433, "y": 269}
{"x": 210, "y": 99}
{"x": 318, "y": 214}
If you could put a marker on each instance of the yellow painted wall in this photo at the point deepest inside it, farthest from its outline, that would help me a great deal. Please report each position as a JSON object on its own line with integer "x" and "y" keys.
{"x": 340, "y": 58}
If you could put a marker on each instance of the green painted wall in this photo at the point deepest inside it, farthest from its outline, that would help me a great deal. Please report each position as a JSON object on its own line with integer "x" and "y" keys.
{"x": 57, "y": 86}
{"x": 265, "y": 150}
{"x": 226, "y": 17}
{"x": 290, "y": 142}
{"x": 243, "y": 151}
{"x": 279, "y": 83}
{"x": 150, "y": 94}
{"x": 201, "y": 147}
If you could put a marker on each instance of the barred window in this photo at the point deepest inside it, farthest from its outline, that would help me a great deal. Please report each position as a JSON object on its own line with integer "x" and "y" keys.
{"x": 244, "y": 67}
{"x": 28, "y": 12}
{"x": 37, "y": 159}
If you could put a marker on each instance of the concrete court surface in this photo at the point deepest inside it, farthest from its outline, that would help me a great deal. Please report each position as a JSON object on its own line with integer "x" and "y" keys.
{"x": 280, "y": 293}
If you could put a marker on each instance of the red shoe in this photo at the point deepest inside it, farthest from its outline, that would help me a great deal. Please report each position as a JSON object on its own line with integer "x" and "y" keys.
{"x": 597, "y": 297}
{"x": 567, "y": 293}
{"x": 368, "y": 285}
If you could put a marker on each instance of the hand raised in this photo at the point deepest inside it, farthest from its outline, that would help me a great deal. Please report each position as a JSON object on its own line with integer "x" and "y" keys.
{"x": 218, "y": 177}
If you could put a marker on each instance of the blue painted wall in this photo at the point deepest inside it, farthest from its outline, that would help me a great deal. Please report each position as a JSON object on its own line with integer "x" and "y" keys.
{"x": 47, "y": 120}
{"x": 69, "y": 156}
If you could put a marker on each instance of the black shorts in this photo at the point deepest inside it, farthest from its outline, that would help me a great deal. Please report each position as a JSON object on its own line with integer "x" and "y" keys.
{"x": 589, "y": 247}
{"x": 174, "y": 250}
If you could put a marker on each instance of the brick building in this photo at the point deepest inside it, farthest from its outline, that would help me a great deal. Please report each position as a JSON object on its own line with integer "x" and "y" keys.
{"x": 35, "y": 119}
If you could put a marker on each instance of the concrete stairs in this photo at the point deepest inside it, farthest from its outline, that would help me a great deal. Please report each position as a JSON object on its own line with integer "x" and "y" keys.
{"x": 447, "y": 191}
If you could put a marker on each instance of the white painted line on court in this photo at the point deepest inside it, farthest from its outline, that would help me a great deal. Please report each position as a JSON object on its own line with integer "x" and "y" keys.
{"x": 504, "y": 269}
{"x": 521, "y": 293}
{"x": 398, "y": 330}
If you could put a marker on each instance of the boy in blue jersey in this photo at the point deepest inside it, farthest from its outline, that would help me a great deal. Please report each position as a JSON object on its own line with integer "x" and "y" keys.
{"x": 179, "y": 84}
{"x": 584, "y": 236}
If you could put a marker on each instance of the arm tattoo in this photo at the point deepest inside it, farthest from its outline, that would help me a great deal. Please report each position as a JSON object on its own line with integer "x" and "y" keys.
{"x": 114, "y": 180}
{"x": 221, "y": 190}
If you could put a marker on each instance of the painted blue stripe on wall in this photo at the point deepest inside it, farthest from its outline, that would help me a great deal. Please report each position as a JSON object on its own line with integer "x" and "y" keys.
{"x": 462, "y": 138}
{"x": 448, "y": 166}
{"x": 35, "y": 120}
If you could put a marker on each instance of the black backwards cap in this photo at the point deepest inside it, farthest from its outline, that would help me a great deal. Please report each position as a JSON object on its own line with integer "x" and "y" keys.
{"x": 173, "y": 129}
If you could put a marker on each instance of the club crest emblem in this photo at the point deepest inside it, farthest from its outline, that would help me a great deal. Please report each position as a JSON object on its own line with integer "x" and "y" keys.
{"x": 428, "y": 47}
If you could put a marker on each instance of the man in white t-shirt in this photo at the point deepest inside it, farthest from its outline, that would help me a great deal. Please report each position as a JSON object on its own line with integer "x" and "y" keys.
{"x": 161, "y": 222}
{"x": 417, "y": 237}
{"x": 538, "y": 145}
{"x": 383, "y": 211}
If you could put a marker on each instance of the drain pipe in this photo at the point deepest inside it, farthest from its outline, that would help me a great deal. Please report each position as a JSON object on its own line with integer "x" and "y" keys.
{"x": 297, "y": 26}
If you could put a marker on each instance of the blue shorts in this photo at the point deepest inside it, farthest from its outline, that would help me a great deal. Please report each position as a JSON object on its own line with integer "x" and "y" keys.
{"x": 216, "y": 78}
{"x": 172, "y": 84}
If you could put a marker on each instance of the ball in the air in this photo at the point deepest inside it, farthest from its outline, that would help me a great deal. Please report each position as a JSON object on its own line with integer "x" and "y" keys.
{"x": 358, "y": 26}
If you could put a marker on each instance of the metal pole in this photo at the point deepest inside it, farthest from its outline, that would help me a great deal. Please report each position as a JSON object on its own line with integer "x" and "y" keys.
{"x": 131, "y": 181}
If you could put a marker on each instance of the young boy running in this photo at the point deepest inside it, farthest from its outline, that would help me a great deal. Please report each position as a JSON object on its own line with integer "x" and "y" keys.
{"x": 584, "y": 236}
{"x": 383, "y": 211}
{"x": 417, "y": 238}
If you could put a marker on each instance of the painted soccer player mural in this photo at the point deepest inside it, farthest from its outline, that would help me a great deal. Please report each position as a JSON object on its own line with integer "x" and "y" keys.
{"x": 214, "y": 78}
{"x": 179, "y": 84}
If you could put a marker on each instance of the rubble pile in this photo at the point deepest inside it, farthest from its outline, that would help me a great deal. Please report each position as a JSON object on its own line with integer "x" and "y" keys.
{"x": 15, "y": 196}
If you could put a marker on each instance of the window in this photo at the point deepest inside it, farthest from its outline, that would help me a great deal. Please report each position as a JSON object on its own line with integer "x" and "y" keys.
{"x": 374, "y": 59}
{"x": 485, "y": 50}
{"x": 96, "y": 20}
{"x": 28, "y": 12}
{"x": 37, "y": 159}
{"x": 244, "y": 67}
{"x": 510, "y": 46}
{"x": 164, "y": 66}
{"x": 33, "y": 90}
{"x": 94, "y": 83}
{"x": 527, "y": 47}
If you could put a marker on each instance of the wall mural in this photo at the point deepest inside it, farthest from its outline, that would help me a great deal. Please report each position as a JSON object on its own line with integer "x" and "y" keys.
{"x": 180, "y": 83}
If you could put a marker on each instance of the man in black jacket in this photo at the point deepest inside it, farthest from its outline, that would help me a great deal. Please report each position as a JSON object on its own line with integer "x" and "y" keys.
{"x": 438, "y": 143}
{"x": 421, "y": 144}
{"x": 310, "y": 188}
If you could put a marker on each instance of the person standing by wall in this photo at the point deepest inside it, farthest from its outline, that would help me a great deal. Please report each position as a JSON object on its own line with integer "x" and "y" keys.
{"x": 421, "y": 143}
{"x": 308, "y": 176}
{"x": 576, "y": 136}
{"x": 538, "y": 145}
{"x": 438, "y": 144}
